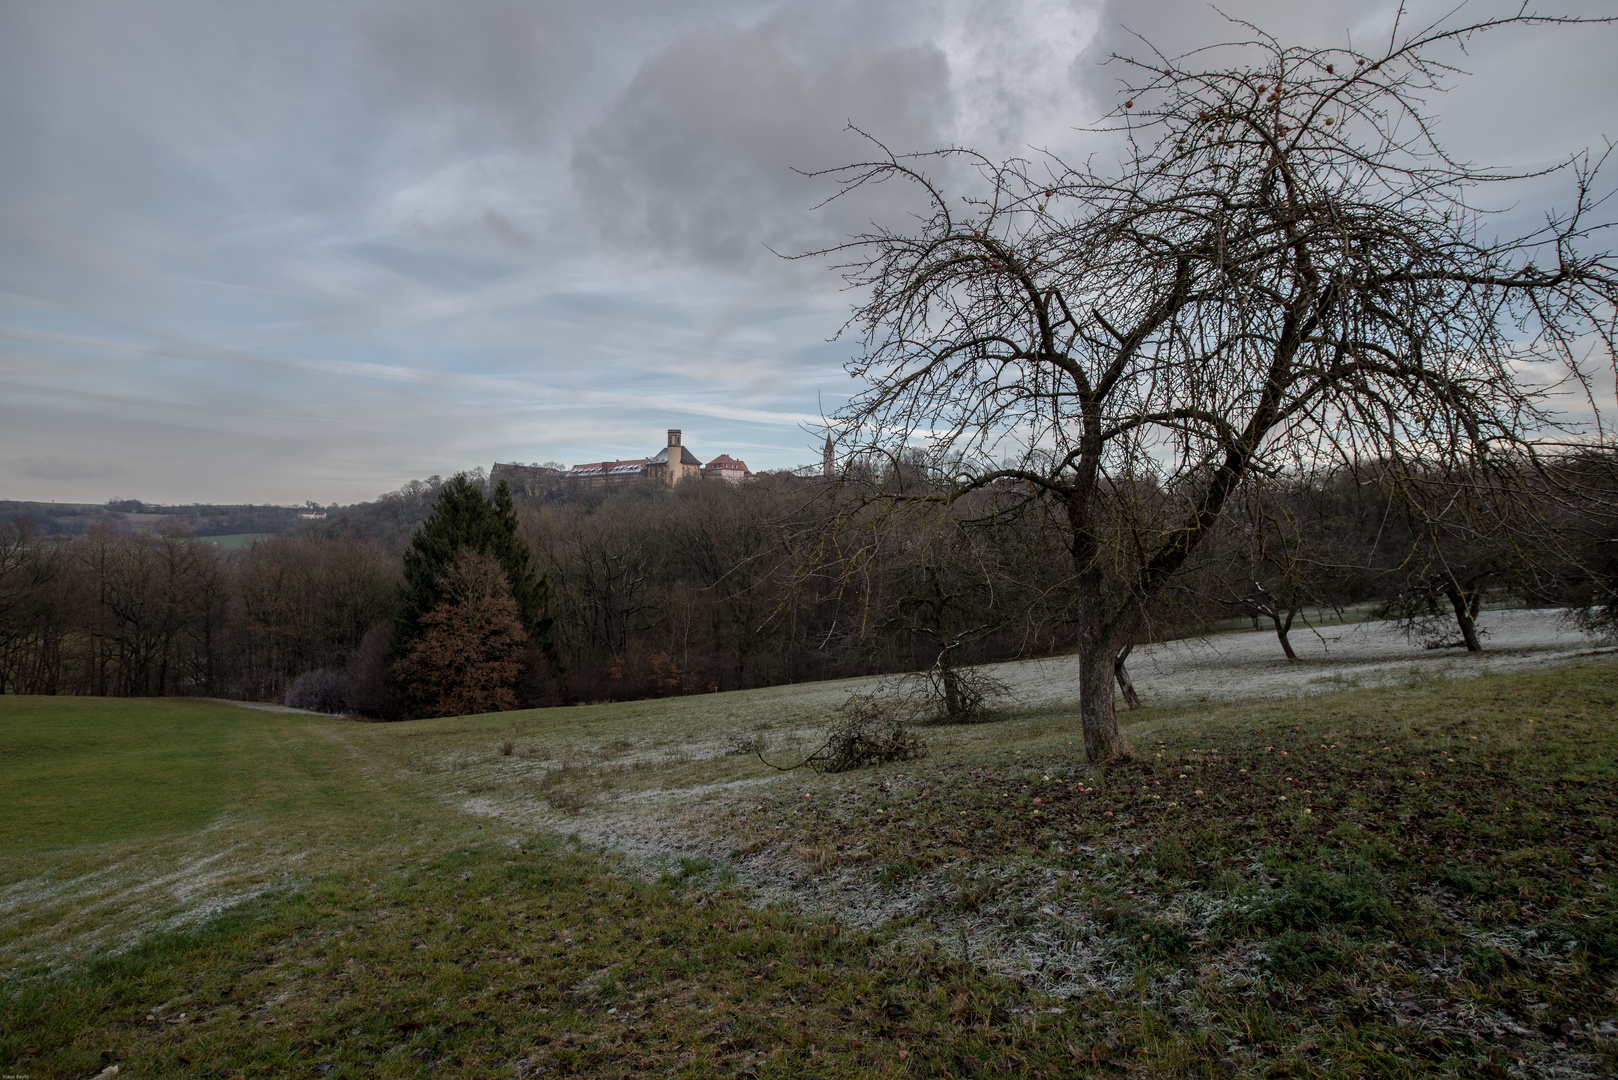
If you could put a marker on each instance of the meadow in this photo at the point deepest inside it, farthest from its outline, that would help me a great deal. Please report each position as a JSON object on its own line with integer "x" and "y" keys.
{"x": 1407, "y": 880}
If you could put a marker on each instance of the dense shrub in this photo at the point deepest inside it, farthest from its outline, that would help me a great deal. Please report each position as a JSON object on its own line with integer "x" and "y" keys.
{"x": 321, "y": 690}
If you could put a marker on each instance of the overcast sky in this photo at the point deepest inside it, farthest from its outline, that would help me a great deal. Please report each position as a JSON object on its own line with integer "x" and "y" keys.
{"x": 309, "y": 250}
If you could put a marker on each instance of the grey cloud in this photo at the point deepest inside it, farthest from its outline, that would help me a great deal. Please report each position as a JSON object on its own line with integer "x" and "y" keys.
{"x": 475, "y": 64}
{"x": 312, "y": 248}
{"x": 1514, "y": 90}
{"x": 144, "y": 132}
{"x": 56, "y": 468}
{"x": 697, "y": 157}
{"x": 1519, "y": 98}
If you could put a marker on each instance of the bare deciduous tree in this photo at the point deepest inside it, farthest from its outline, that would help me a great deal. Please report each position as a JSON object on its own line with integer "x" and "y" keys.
{"x": 1282, "y": 558}
{"x": 1284, "y": 270}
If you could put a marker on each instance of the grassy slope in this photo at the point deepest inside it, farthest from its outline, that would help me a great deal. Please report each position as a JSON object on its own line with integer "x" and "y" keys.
{"x": 87, "y": 770}
{"x": 1443, "y": 908}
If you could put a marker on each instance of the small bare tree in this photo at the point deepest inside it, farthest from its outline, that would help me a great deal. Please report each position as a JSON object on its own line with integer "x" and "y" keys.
{"x": 1281, "y": 559}
{"x": 1283, "y": 271}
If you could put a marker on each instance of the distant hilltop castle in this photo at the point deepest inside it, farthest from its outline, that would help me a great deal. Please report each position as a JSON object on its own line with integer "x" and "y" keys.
{"x": 670, "y": 465}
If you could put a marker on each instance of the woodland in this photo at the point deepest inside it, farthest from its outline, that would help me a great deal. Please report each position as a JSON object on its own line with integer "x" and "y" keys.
{"x": 647, "y": 591}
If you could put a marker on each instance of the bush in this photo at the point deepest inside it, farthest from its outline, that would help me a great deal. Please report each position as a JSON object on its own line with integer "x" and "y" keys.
{"x": 869, "y": 729}
{"x": 370, "y": 676}
{"x": 952, "y": 695}
{"x": 322, "y": 690}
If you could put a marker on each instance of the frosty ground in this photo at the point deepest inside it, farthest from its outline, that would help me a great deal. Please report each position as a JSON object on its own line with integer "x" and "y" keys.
{"x": 1379, "y": 859}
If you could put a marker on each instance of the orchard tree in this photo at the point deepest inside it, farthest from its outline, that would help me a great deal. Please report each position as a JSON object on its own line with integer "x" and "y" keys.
{"x": 1282, "y": 272}
{"x": 1471, "y": 535}
{"x": 1281, "y": 555}
{"x": 1591, "y": 577}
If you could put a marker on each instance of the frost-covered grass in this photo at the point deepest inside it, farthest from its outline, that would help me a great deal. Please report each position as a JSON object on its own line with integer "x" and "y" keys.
{"x": 1401, "y": 880}
{"x": 1343, "y": 863}
{"x": 1404, "y": 880}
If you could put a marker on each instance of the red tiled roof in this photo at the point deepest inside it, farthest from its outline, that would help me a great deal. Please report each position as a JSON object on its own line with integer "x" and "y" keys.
{"x": 608, "y": 468}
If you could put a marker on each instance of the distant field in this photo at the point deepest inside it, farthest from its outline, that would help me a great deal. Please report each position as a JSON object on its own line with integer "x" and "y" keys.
{"x": 237, "y": 540}
{"x": 1405, "y": 880}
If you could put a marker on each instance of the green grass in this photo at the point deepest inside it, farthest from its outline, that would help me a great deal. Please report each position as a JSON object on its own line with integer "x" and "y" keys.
{"x": 1420, "y": 885}
{"x": 237, "y": 540}
{"x": 80, "y": 771}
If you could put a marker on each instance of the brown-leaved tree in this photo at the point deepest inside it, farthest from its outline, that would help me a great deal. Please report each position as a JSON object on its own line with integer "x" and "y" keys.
{"x": 470, "y": 652}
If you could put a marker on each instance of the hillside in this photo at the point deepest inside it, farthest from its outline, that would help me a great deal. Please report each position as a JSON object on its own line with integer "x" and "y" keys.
{"x": 200, "y": 519}
{"x": 1409, "y": 879}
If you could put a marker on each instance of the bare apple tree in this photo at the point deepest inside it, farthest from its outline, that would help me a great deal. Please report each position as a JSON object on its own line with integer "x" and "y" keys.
{"x": 1283, "y": 271}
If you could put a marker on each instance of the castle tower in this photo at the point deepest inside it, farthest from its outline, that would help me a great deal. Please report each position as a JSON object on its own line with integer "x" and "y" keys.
{"x": 828, "y": 460}
{"x": 674, "y": 463}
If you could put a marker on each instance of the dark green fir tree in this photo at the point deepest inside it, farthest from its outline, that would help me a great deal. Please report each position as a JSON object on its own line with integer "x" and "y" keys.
{"x": 464, "y": 518}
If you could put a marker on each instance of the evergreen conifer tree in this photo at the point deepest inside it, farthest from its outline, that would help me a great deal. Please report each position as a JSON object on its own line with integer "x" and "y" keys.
{"x": 465, "y": 519}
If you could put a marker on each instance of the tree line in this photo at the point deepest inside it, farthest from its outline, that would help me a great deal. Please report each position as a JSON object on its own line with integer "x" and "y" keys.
{"x": 197, "y": 519}
{"x": 449, "y": 596}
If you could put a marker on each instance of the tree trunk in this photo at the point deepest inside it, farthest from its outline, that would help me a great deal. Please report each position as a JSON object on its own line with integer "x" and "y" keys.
{"x": 1102, "y": 740}
{"x": 952, "y": 687}
{"x": 1125, "y": 686}
{"x": 1099, "y": 645}
{"x": 1465, "y": 615}
{"x": 1282, "y": 629}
